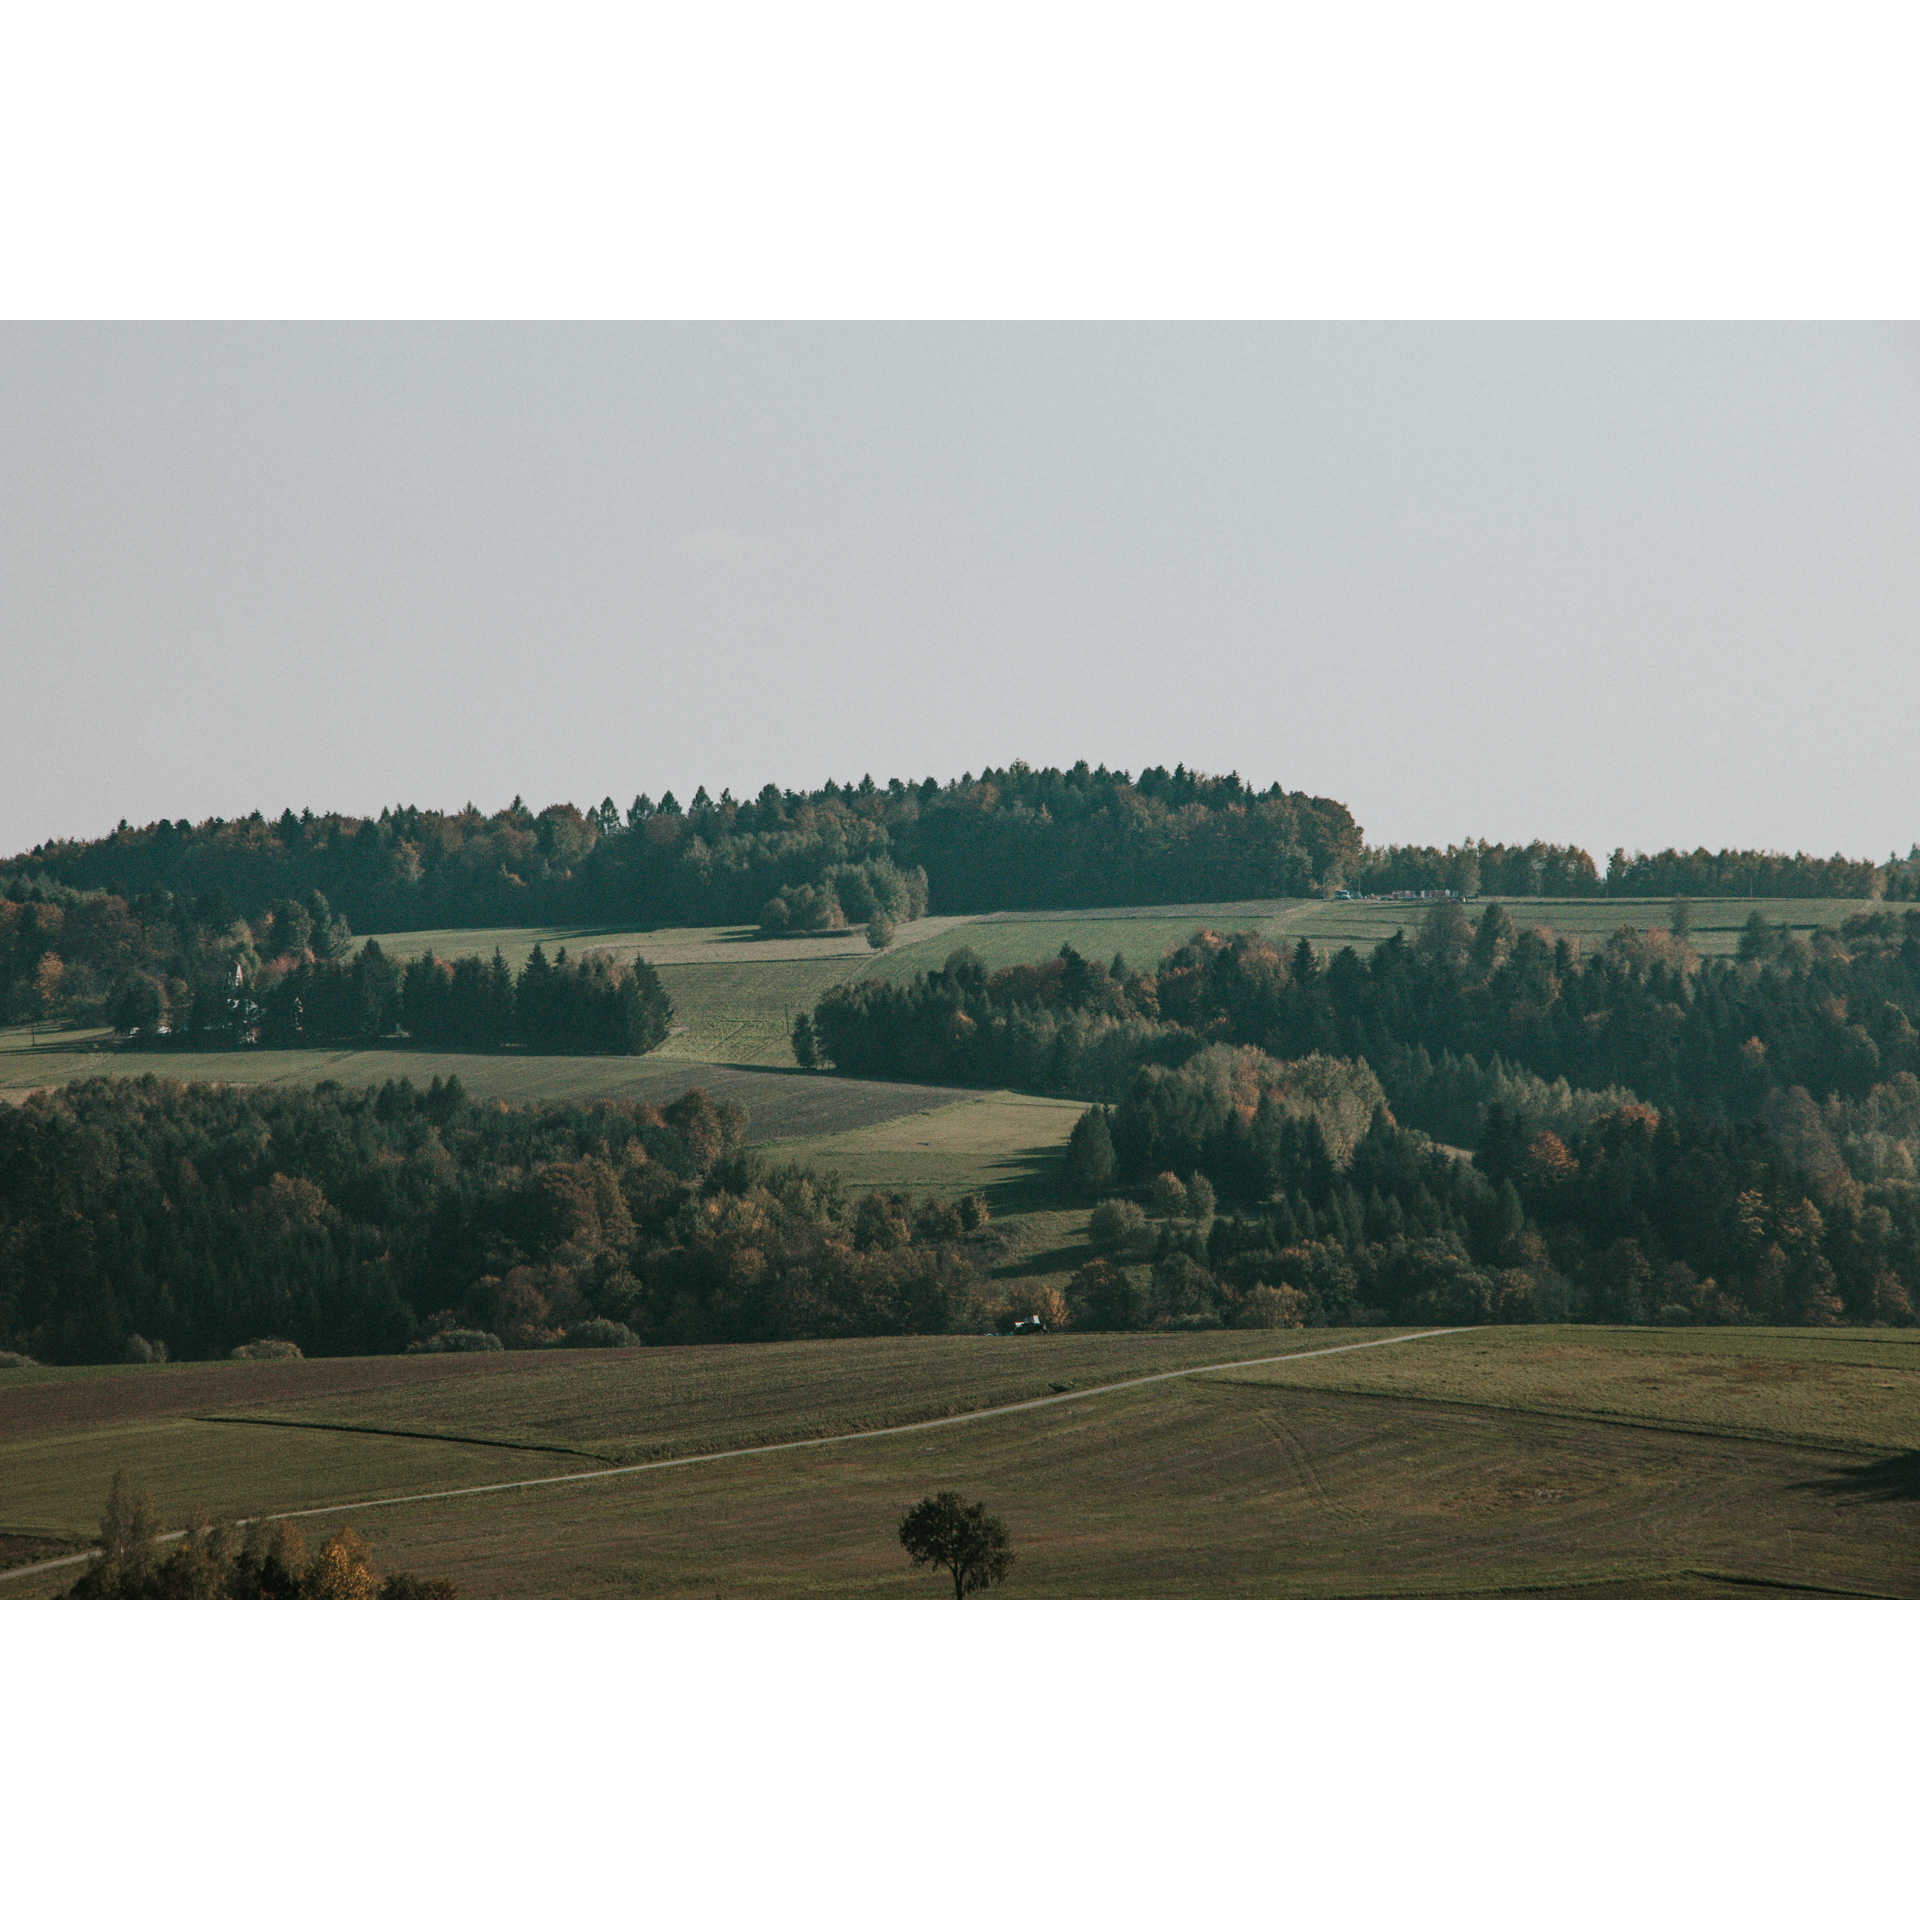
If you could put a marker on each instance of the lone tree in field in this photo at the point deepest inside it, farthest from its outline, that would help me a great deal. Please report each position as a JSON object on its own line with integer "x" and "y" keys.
{"x": 972, "y": 1546}
{"x": 806, "y": 1047}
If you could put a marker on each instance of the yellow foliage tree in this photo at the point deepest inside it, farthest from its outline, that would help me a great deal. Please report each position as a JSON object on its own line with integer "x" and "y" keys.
{"x": 342, "y": 1570}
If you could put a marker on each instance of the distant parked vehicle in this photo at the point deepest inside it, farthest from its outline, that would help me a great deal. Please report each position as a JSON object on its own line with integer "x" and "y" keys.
{"x": 1031, "y": 1324}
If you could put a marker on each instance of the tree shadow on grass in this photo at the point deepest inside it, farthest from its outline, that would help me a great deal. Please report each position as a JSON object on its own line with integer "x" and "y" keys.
{"x": 1034, "y": 1184}
{"x": 1067, "y": 1259}
{"x": 1897, "y": 1477}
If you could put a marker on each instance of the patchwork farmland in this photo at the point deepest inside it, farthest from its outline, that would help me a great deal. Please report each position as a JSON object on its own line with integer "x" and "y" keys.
{"x": 1573, "y": 1460}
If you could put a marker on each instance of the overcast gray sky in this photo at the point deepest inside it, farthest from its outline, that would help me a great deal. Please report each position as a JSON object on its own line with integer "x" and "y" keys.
{"x": 1632, "y": 585}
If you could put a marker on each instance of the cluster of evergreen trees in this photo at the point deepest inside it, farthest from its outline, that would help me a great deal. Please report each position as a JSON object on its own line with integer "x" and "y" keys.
{"x": 595, "y": 1004}
{"x": 149, "y": 1215}
{"x": 1838, "y": 1015}
{"x": 1835, "y": 1014}
{"x": 1736, "y": 874}
{"x": 1063, "y": 1026}
{"x": 1541, "y": 870}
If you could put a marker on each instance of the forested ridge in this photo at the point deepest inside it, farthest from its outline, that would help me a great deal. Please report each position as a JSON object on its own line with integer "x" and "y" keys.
{"x": 151, "y": 1217}
{"x": 176, "y": 903}
{"x": 1008, "y": 838}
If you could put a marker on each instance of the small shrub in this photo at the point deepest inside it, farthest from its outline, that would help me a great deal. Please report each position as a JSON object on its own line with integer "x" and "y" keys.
{"x": 973, "y": 1212}
{"x": 1273, "y": 1307}
{"x": 1103, "y": 1298}
{"x": 145, "y": 1353}
{"x": 412, "y": 1586}
{"x": 937, "y": 1220}
{"x": 17, "y": 1360}
{"x": 1118, "y": 1229}
{"x": 879, "y": 932}
{"x": 1182, "y": 1288}
{"x": 267, "y": 1350}
{"x": 1169, "y": 1194}
{"x": 601, "y": 1333}
{"x": 458, "y": 1340}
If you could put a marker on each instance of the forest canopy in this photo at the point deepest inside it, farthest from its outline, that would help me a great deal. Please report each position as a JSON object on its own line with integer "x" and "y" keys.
{"x": 145, "y": 1216}
{"x": 1652, "y": 1135}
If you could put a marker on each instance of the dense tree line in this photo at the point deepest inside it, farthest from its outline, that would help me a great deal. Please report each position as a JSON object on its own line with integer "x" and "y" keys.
{"x": 1544, "y": 871}
{"x": 159, "y": 960}
{"x": 595, "y": 1004}
{"x": 1465, "y": 1013}
{"x": 1537, "y": 870}
{"x": 1063, "y": 1025}
{"x": 201, "y": 1218}
{"x": 166, "y": 969}
{"x": 1010, "y": 837}
{"x": 1734, "y": 874}
{"x": 1835, "y": 1014}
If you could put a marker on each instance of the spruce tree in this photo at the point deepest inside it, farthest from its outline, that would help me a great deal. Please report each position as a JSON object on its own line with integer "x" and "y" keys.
{"x": 1090, "y": 1162}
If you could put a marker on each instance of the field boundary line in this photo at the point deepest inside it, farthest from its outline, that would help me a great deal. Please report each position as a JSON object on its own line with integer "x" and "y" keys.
{"x": 393, "y": 1433}
{"x": 775, "y": 1446}
{"x": 1605, "y": 1417}
{"x": 1549, "y": 1589}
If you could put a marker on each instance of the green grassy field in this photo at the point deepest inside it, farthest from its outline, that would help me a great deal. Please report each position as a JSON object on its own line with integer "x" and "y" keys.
{"x": 1716, "y": 923}
{"x": 734, "y": 996}
{"x": 1005, "y": 1144}
{"x": 782, "y": 1103}
{"x": 1578, "y": 1461}
{"x": 1004, "y": 940}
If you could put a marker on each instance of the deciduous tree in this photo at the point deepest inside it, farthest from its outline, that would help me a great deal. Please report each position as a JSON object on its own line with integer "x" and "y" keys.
{"x": 968, "y": 1542}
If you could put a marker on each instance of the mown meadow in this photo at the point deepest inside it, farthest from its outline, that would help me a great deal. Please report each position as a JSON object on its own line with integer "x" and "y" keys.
{"x": 1573, "y": 1461}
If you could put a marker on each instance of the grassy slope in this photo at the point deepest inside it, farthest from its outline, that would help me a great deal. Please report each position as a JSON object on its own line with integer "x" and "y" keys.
{"x": 1576, "y": 1460}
